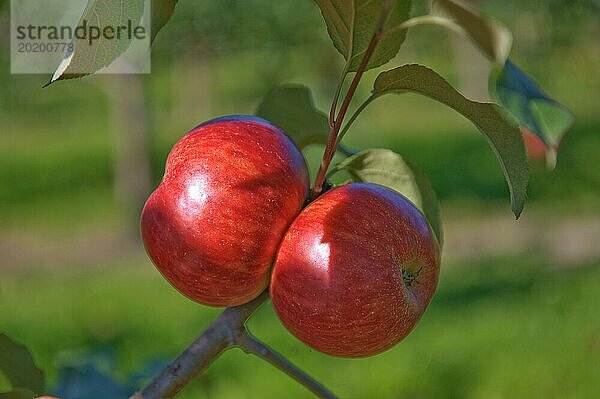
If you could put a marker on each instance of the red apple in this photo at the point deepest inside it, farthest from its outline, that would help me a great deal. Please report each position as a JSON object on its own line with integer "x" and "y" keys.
{"x": 355, "y": 271}
{"x": 231, "y": 188}
{"x": 536, "y": 149}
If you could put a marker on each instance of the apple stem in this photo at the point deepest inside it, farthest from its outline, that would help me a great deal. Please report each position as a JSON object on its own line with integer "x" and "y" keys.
{"x": 339, "y": 119}
{"x": 226, "y": 332}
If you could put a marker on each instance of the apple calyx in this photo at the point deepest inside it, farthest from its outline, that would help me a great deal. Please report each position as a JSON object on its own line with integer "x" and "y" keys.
{"x": 410, "y": 277}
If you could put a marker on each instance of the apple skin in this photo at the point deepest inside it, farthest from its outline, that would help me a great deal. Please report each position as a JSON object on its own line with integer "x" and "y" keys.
{"x": 231, "y": 188}
{"x": 337, "y": 282}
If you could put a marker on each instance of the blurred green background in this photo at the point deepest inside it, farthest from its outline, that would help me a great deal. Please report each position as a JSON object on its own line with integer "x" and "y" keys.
{"x": 516, "y": 313}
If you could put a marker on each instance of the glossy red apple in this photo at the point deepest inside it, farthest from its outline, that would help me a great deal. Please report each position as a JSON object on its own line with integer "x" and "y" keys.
{"x": 355, "y": 271}
{"x": 231, "y": 188}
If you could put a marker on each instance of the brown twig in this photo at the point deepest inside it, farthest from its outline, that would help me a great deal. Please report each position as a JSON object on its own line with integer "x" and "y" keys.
{"x": 220, "y": 336}
{"x": 226, "y": 332}
{"x": 251, "y": 345}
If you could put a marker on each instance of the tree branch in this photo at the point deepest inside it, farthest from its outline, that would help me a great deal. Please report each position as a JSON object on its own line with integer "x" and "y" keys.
{"x": 220, "y": 336}
{"x": 251, "y": 345}
{"x": 226, "y": 332}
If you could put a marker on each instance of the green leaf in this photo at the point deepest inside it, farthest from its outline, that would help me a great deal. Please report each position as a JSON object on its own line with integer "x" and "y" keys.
{"x": 504, "y": 137}
{"x": 351, "y": 24}
{"x": 291, "y": 107}
{"x": 17, "y": 364}
{"x": 532, "y": 108}
{"x": 387, "y": 168}
{"x": 90, "y": 56}
{"x": 492, "y": 37}
{"x": 430, "y": 205}
{"x": 18, "y": 394}
{"x": 162, "y": 11}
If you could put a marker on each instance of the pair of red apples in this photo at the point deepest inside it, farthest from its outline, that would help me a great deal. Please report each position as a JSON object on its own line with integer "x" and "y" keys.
{"x": 349, "y": 274}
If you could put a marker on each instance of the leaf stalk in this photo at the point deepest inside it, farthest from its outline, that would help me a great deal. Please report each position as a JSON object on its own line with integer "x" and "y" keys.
{"x": 332, "y": 141}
